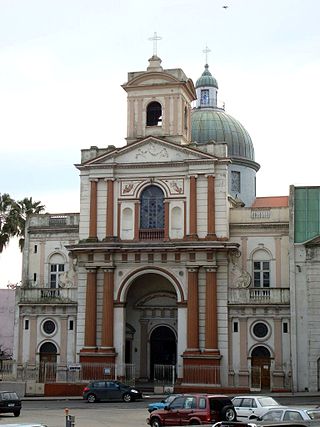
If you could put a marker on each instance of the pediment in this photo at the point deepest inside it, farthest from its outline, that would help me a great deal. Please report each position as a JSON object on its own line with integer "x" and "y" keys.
{"x": 150, "y": 150}
{"x": 152, "y": 78}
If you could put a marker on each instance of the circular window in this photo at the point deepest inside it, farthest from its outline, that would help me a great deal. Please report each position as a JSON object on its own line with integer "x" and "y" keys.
{"x": 49, "y": 327}
{"x": 260, "y": 330}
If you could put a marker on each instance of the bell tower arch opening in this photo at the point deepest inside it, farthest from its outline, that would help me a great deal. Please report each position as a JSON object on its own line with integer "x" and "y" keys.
{"x": 154, "y": 114}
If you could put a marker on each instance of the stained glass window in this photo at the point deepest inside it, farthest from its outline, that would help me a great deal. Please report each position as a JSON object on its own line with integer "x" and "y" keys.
{"x": 152, "y": 208}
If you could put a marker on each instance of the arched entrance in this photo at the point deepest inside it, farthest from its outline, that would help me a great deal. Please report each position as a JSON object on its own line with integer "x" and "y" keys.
{"x": 163, "y": 348}
{"x": 48, "y": 361}
{"x": 151, "y": 311}
{"x": 260, "y": 368}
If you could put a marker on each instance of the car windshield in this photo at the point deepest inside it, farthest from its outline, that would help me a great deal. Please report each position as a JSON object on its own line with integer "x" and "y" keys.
{"x": 314, "y": 415}
{"x": 9, "y": 396}
{"x": 267, "y": 401}
{"x": 169, "y": 399}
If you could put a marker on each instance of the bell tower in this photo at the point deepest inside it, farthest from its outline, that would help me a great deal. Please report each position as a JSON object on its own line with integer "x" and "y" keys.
{"x": 159, "y": 103}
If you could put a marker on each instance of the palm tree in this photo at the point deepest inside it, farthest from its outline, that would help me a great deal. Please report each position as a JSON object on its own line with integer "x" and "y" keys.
{"x": 13, "y": 217}
{"x": 26, "y": 208}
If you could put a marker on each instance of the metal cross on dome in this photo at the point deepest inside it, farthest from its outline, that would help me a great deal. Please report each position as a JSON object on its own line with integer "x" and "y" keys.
{"x": 155, "y": 38}
{"x": 206, "y": 51}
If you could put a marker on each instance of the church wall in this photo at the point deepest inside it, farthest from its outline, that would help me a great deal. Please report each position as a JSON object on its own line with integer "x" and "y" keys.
{"x": 202, "y": 190}
{"x": 247, "y": 191}
{"x": 222, "y": 211}
{"x": 101, "y": 209}
{"x": 85, "y": 206}
{"x": 222, "y": 297}
{"x": 82, "y": 284}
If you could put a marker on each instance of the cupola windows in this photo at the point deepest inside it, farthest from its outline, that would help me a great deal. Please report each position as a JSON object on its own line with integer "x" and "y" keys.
{"x": 154, "y": 114}
{"x": 204, "y": 100}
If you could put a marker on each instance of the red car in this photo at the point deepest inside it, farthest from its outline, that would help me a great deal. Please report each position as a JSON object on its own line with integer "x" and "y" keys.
{"x": 194, "y": 409}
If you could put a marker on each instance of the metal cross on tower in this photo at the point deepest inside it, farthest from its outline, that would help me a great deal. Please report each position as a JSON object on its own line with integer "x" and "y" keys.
{"x": 155, "y": 38}
{"x": 206, "y": 51}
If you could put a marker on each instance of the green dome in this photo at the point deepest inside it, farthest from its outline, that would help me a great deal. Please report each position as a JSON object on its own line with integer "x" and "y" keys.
{"x": 216, "y": 125}
{"x": 206, "y": 79}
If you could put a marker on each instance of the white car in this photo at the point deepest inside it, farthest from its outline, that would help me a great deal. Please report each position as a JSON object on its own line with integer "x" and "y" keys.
{"x": 251, "y": 407}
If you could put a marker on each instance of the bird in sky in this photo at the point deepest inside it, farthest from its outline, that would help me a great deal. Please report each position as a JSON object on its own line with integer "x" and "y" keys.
{"x": 225, "y": 6}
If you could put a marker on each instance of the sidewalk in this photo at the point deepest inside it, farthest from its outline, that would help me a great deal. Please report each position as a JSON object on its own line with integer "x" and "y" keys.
{"x": 156, "y": 396}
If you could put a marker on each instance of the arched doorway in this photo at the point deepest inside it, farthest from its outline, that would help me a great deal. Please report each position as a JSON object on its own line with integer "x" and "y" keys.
{"x": 152, "y": 313}
{"x": 260, "y": 368}
{"x": 163, "y": 348}
{"x": 48, "y": 361}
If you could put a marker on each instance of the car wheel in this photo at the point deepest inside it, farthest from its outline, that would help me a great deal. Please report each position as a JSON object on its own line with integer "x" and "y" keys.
{"x": 155, "y": 422}
{"x": 194, "y": 423}
{"x": 91, "y": 398}
{"x": 228, "y": 413}
{"x": 127, "y": 397}
{"x": 16, "y": 413}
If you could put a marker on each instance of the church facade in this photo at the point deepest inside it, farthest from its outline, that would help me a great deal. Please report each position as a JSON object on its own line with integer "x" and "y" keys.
{"x": 172, "y": 259}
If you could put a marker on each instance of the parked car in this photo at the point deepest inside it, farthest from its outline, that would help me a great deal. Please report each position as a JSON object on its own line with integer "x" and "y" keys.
{"x": 266, "y": 424}
{"x": 110, "y": 390}
{"x": 24, "y": 425}
{"x": 10, "y": 402}
{"x": 251, "y": 407}
{"x": 191, "y": 409}
{"x": 164, "y": 402}
{"x": 291, "y": 414}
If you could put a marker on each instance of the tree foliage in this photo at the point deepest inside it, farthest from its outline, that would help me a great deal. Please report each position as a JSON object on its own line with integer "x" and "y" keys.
{"x": 13, "y": 215}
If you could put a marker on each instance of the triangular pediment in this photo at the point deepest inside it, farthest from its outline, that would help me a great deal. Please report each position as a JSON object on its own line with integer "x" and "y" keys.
{"x": 150, "y": 150}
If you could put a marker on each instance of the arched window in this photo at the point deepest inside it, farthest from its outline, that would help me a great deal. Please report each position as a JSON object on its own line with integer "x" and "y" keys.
{"x": 261, "y": 263}
{"x": 56, "y": 269}
{"x": 152, "y": 208}
{"x": 154, "y": 114}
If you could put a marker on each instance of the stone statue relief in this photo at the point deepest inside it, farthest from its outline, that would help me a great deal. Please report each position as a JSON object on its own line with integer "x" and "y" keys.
{"x": 239, "y": 278}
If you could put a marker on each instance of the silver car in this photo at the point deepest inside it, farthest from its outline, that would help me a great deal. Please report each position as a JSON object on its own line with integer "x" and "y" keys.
{"x": 251, "y": 407}
{"x": 291, "y": 414}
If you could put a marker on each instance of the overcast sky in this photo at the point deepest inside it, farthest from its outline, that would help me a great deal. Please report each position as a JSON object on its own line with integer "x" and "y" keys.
{"x": 62, "y": 63}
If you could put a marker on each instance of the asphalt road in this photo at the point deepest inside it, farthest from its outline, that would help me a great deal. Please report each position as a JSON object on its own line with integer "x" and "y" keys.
{"x": 106, "y": 414}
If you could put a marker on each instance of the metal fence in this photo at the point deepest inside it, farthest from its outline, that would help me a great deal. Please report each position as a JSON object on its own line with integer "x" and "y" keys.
{"x": 50, "y": 372}
{"x": 163, "y": 375}
{"x": 8, "y": 370}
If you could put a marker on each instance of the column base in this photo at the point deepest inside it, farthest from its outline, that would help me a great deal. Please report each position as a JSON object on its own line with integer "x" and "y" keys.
{"x": 211, "y": 236}
{"x": 201, "y": 367}
{"x": 98, "y": 355}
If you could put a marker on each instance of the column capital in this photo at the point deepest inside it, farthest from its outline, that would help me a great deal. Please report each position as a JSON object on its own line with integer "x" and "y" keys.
{"x": 108, "y": 269}
{"x": 109, "y": 179}
{"x": 211, "y": 268}
{"x": 91, "y": 269}
{"x": 192, "y": 176}
{"x": 93, "y": 179}
{"x": 192, "y": 268}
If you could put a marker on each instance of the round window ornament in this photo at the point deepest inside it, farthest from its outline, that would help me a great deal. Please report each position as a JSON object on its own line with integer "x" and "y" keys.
{"x": 260, "y": 330}
{"x": 49, "y": 327}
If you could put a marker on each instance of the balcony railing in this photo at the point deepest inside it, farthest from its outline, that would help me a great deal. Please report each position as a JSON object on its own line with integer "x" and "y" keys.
{"x": 151, "y": 234}
{"x": 47, "y": 295}
{"x": 259, "y": 296}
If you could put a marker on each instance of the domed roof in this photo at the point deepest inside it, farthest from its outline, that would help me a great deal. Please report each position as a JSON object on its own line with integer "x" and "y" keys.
{"x": 215, "y": 124}
{"x": 206, "y": 79}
